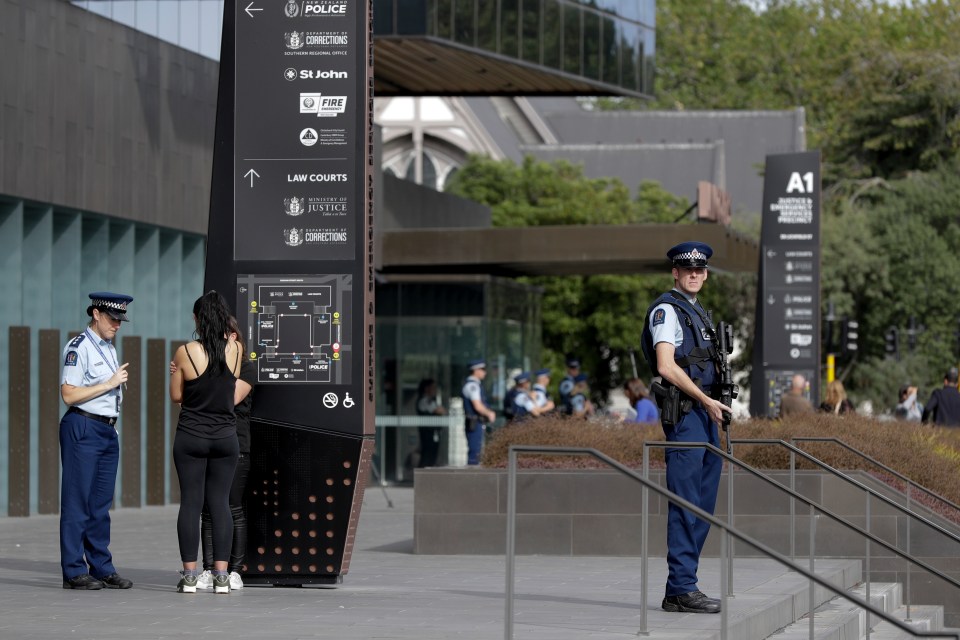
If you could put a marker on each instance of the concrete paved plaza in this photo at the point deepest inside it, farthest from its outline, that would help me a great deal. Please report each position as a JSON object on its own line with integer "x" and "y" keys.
{"x": 388, "y": 593}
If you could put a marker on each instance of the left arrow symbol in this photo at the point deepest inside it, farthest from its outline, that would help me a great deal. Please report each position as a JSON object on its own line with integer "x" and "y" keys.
{"x": 249, "y": 10}
{"x": 251, "y": 174}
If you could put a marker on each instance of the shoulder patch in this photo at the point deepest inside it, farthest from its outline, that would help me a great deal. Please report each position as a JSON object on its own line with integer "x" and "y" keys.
{"x": 71, "y": 359}
{"x": 659, "y": 316}
{"x": 76, "y": 341}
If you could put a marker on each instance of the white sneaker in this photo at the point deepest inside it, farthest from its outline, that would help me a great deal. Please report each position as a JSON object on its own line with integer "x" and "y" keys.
{"x": 205, "y": 580}
{"x": 235, "y": 581}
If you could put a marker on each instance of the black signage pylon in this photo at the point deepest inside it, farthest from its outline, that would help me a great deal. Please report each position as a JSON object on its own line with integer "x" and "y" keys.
{"x": 788, "y": 290}
{"x": 290, "y": 244}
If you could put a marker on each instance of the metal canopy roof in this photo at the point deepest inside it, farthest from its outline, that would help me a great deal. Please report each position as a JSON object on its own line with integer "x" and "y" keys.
{"x": 559, "y": 250}
{"x": 424, "y": 65}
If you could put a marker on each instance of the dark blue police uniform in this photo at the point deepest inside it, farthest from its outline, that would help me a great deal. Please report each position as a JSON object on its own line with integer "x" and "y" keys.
{"x": 567, "y": 384}
{"x": 90, "y": 454}
{"x": 693, "y": 474}
{"x": 473, "y": 422}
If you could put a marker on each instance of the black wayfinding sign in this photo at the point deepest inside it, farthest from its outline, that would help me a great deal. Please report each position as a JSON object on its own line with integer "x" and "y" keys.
{"x": 290, "y": 243}
{"x": 788, "y": 292}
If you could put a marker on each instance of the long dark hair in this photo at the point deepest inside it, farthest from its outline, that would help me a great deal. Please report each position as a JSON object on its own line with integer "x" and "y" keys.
{"x": 213, "y": 325}
{"x": 235, "y": 329}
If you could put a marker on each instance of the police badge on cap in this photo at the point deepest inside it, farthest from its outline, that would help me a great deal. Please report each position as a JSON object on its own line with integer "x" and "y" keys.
{"x": 113, "y": 304}
{"x": 690, "y": 254}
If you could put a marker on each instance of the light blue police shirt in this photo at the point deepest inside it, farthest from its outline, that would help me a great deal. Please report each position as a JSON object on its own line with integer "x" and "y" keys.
{"x": 539, "y": 395}
{"x": 88, "y": 360}
{"x": 524, "y": 401}
{"x": 667, "y": 328}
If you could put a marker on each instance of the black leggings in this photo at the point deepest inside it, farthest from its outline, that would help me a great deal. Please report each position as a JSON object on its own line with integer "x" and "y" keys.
{"x": 239, "y": 548}
{"x": 205, "y": 469}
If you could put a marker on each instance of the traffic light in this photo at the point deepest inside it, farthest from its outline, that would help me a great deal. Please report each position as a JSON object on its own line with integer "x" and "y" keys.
{"x": 892, "y": 346}
{"x": 848, "y": 336}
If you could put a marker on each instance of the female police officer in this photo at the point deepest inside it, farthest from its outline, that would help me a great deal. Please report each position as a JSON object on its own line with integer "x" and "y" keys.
{"x": 91, "y": 384}
{"x": 678, "y": 344}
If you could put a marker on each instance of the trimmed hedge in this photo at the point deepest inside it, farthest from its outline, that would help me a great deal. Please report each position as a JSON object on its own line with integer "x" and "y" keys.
{"x": 929, "y": 456}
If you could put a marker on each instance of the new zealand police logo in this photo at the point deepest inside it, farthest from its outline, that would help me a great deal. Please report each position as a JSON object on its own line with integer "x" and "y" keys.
{"x": 71, "y": 359}
{"x": 292, "y": 10}
{"x": 293, "y": 206}
{"x": 659, "y": 317}
{"x": 293, "y": 39}
{"x": 293, "y": 237}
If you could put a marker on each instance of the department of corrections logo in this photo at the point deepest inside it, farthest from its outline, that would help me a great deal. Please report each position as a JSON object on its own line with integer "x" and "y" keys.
{"x": 290, "y": 74}
{"x": 291, "y": 10}
{"x": 293, "y": 39}
{"x": 293, "y": 206}
{"x": 293, "y": 237}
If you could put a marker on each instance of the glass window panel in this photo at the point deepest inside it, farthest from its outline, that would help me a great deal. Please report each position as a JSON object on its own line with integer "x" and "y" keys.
{"x": 509, "y": 24}
{"x": 147, "y": 16}
{"x": 102, "y": 8}
{"x": 591, "y": 44}
{"x": 487, "y": 27}
{"x": 572, "y": 32}
{"x": 190, "y": 25}
{"x": 125, "y": 12}
{"x": 552, "y": 34}
{"x": 413, "y": 19}
{"x": 429, "y": 172}
{"x": 630, "y": 57}
{"x": 444, "y": 18}
{"x": 530, "y": 30}
{"x": 464, "y": 22}
{"x": 611, "y": 50}
{"x": 168, "y": 22}
{"x": 211, "y": 27}
{"x": 383, "y": 16}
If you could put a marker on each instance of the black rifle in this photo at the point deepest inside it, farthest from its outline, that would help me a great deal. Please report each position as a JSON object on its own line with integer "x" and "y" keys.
{"x": 728, "y": 389}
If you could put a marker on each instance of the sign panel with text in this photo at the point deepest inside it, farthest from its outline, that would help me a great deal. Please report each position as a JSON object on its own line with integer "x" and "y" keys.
{"x": 788, "y": 293}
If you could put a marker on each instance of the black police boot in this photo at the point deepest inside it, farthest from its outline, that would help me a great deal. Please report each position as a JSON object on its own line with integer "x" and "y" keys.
{"x": 693, "y": 602}
{"x": 114, "y": 581}
{"x": 83, "y": 581}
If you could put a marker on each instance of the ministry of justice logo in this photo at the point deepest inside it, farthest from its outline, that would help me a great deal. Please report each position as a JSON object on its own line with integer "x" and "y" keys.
{"x": 293, "y": 39}
{"x": 293, "y": 237}
{"x": 293, "y": 206}
{"x": 292, "y": 10}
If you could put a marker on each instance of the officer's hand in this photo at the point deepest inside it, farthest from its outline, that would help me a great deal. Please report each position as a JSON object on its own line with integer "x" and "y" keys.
{"x": 120, "y": 377}
{"x": 715, "y": 410}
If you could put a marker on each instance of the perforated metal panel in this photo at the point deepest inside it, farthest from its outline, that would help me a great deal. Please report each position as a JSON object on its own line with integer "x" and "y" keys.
{"x": 301, "y": 495}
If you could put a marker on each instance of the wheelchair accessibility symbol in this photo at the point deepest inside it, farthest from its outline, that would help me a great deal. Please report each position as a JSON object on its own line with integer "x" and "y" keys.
{"x": 347, "y": 401}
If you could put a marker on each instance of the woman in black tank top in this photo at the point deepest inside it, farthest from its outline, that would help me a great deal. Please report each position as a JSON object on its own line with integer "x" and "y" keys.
{"x": 205, "y": 447}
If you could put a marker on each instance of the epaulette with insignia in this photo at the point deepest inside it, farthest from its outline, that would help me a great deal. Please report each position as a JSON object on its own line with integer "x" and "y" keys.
{"x": 76, "y": 341}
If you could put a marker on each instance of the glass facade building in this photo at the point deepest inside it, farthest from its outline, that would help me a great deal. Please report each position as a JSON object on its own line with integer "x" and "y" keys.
{"x": 606, "y": 42}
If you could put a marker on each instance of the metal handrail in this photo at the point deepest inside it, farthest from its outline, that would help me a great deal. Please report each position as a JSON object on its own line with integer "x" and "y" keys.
{"x": 843, "y": 476}
{"x": 876, "y": 462}
{"x": 700, "y": 513}
{"x": 789, "y": 490}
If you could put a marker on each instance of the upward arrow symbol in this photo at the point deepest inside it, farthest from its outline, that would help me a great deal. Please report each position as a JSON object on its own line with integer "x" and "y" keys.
{"x": 251, "y": 174}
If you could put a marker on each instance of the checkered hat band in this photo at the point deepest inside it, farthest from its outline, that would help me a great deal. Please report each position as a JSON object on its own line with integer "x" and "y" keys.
{"x": 110, "y": 304}
{"x": 691, "y": 255}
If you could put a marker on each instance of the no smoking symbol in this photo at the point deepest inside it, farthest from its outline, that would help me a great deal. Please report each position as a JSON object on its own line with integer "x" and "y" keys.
{"x": 330, "y": 400}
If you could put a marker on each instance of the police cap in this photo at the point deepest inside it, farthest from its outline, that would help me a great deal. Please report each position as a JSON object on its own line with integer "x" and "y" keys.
{"x": 541, "y": 372}
{"x": 476, "y": 364}
{"x": 580, "y": 377}
{"x": 523, "y": 376}
{"x": 573, "y": 363}
{"x": 690, "y": 254}
{"x": 113, "y": 304}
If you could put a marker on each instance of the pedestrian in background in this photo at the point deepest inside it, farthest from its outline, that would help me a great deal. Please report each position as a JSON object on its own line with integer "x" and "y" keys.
{"x": 477, "y": 413}
{"x": 639, "y": 397}
{"x": 428, "y": 404}
{"x": 91, "y": 384}
{"x": 943, "y": 407}
{"x": 907, "y": 406}
{"x": 567, "y": 384}
{"x": 795, "y": 400}
{"x": 836, "y": 401}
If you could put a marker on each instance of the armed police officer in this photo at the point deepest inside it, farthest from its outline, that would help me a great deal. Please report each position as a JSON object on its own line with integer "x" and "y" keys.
{"x": 92, "y": 386}
{"x": 679, "y": 342}
{"x": 477, "y": 413}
